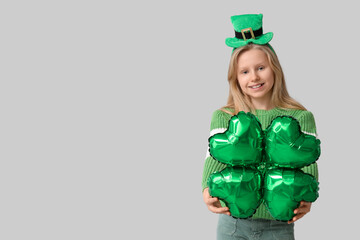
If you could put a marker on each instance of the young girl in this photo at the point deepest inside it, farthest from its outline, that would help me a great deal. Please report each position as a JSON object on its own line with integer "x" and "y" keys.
{"x": 257, "y": 85}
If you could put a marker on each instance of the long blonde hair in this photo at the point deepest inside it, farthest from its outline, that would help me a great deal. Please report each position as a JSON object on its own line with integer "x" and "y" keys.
{"x": 239, "y": 101}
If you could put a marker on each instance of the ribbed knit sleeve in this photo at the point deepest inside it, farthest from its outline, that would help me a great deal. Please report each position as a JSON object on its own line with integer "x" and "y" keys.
{"x": 308, "y": 126}
{"x": 307, "y": 123}
{"x": 219, "y": 119}
{"x": 219, "y": 123}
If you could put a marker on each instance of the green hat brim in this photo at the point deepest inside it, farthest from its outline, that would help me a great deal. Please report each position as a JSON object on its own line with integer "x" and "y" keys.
{"x": 262, "y": 40}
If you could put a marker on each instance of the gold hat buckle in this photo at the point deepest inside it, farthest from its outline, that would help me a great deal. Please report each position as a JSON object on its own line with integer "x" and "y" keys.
{"x": 243, "y": 31}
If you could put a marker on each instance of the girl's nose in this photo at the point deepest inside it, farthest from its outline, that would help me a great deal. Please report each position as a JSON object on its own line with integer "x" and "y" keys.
{"x": 254, "y": 76}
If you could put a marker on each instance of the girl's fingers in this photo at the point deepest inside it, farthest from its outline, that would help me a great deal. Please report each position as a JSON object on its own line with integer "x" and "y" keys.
{"x": 297, "y": 217}
{"x": 218, "y": 209}
{"x": 212, "y": 200}
{"x": 303, "y": 209}
{"x": 213, "y": 203}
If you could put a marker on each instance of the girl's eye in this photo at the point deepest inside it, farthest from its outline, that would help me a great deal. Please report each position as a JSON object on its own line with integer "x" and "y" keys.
{"x": 261, "y": 68}
{"x": 244, "y": 72}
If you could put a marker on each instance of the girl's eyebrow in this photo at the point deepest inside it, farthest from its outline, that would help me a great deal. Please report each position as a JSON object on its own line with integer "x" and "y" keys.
{"x": 258, "y": 64}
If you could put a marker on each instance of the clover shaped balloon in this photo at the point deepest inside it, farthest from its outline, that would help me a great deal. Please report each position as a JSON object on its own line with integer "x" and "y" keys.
{"x": 263, "y": 166}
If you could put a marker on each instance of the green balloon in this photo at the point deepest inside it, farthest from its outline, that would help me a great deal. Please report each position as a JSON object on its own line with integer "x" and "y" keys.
{"x": 241, "y": 144}
{"x": 239, "y": 187}
{"x": 284, "y": 189}
{"x": 263, "y": 165}
{"x": 287, "y": 146}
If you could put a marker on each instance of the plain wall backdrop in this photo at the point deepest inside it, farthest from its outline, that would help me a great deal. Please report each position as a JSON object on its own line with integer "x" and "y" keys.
{"x": 106, "y": 109}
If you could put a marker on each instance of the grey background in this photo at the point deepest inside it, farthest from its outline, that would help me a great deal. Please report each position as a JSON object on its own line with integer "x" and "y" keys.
{"x": 106, "y": 107}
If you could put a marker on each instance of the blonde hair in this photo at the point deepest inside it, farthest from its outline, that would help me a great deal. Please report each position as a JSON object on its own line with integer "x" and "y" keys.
{"x": 239, "y": 101}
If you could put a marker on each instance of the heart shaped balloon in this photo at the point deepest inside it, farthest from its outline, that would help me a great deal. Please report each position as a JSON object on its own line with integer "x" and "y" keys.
{"x": 284, "y": 189}
{"x": 241, "y": 144}
{"x": 239, "y": 187}
{"x": 287, "y": 146}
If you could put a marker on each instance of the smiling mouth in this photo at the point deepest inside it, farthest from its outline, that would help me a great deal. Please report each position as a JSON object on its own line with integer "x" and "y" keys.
{"x": 257, "y": 86}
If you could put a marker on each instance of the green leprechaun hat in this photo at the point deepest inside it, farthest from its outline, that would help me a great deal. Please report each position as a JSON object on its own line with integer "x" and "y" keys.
{"x": 248, "y": 29}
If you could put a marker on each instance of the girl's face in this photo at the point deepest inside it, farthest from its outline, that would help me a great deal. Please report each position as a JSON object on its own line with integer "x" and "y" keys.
{"x": 255, "y": 77}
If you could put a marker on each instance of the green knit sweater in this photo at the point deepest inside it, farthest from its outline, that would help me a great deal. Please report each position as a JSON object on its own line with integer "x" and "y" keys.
{"x": 219, "y": 124}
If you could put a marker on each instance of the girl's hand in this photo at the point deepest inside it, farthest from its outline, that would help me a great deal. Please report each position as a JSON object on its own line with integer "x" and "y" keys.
{"x": 213, "y": 203}
{"x": 303, "y": 209}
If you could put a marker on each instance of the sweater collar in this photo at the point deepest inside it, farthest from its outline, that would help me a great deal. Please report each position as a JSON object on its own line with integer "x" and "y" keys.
{"x": 269, "y": 112}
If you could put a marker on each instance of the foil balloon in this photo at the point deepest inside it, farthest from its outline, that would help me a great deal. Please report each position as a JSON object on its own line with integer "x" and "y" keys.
{"x": 241, "y": 143}
{"x": 268, "y": 160}
{"x": 284, "y": 189}
{"x": 239, "y": 187}
{"x": 287, "y": 146}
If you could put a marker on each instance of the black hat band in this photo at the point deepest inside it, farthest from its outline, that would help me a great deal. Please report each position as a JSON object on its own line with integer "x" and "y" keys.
{"x": 248, "y": 33}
